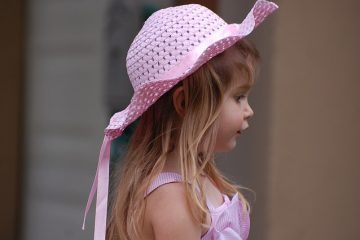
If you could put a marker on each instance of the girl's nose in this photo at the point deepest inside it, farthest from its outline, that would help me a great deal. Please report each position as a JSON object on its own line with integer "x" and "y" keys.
{"x": 249, "y": 112}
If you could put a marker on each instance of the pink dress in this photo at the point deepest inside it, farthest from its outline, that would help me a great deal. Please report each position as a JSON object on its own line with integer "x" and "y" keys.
{"x": 228, "y": 221}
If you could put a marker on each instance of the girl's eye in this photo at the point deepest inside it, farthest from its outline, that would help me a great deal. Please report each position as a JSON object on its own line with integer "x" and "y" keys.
{"x": 238, "y": 98}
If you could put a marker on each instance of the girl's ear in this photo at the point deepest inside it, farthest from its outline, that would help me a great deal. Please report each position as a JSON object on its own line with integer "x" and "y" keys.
{"x": 178, "y": 98}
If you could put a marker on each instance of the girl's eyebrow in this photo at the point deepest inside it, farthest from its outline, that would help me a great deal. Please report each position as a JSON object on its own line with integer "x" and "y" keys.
{"x": 243, "y": 88}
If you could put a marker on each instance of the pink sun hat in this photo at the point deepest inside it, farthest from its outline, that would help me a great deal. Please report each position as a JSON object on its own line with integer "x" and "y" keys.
{"x": 172, "y": 44}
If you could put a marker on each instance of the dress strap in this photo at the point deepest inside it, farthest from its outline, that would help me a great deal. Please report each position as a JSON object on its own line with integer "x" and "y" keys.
{"x": 162, "y": 179}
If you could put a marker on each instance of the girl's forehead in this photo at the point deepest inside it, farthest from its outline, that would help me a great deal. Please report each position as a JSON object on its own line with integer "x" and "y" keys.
{"x": 240, "y": 80}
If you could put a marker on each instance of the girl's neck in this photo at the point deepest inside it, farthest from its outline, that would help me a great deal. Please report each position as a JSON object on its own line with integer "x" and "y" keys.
{"x": 172, "y": 163}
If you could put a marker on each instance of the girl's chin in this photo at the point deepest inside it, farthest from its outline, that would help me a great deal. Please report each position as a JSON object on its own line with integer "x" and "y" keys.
{"x": 226, "y": 148}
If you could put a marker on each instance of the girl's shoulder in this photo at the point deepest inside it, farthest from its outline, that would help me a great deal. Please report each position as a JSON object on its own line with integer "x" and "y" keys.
{"x": 167, "y": 192}
{"x": 168, "y": 213}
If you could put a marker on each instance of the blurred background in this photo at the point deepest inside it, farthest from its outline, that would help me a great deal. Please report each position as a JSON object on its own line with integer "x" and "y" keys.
{"x": 63, "y": 75}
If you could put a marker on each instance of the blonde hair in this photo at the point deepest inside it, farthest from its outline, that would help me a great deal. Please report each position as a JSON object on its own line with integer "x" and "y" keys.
{"x": 160, "y": 129}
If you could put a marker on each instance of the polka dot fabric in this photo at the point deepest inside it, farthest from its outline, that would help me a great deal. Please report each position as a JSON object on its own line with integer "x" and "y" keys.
{"x": 173, "y": 43}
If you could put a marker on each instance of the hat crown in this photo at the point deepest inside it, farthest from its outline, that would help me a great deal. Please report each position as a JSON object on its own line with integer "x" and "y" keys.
{"x": 166, "y": 37}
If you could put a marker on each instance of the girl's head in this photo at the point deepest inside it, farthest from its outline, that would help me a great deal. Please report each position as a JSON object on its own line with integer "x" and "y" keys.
{"x": 205, "y": 109}
{"x": 199, "y": 116}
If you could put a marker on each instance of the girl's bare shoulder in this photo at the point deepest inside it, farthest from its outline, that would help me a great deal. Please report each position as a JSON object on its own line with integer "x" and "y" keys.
{"x": 169, "y": 215}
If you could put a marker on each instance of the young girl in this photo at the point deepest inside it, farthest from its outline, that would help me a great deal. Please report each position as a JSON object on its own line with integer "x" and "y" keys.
{"x": 191, "y": 73}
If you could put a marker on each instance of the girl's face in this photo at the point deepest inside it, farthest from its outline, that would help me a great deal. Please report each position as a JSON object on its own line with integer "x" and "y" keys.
{"x": 234, "y": 115}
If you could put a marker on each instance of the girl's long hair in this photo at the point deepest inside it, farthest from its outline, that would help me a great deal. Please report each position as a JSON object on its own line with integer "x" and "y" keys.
{"x": 160, "y": 129}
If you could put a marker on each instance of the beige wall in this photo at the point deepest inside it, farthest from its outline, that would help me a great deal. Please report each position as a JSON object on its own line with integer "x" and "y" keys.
{"x": 315, "y": 133}
{"x": 65, "y": 116}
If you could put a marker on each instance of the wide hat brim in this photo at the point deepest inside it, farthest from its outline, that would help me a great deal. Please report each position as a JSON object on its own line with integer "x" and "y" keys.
{"x": 219, "y": 41}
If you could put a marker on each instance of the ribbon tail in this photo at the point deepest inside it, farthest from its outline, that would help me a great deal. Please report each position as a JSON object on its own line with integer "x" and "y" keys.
{"x": 91, "y": 197}
{"x": 102, "y": 190}
{"x": 101, "y": 186}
